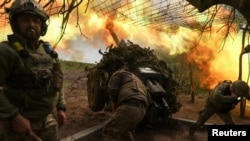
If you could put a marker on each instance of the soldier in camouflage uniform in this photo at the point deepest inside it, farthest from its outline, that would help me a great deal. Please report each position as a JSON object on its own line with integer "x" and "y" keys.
{"x": 32, "y": 104}
{"x": 129, "y": 103}
{"x": 221, "y": 101}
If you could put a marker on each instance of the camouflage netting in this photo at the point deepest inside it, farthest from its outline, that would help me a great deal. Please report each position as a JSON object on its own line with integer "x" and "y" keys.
{"x": 133, "y": 56}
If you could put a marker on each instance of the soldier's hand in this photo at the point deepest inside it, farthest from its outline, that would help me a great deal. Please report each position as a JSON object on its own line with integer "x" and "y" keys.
{"x": 21, "y": 125}
{"x": 61, "y": 116}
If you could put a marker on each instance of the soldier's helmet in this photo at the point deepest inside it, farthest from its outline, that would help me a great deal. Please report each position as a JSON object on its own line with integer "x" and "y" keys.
{"x": 27, "y": 6}
{"x": 239, "y": 87}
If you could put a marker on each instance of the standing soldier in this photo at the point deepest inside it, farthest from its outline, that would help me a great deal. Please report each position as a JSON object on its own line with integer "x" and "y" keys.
{"x": 31, "y": 96}
{"x": 129, "y": 103}
{"x": 221, "y": 101}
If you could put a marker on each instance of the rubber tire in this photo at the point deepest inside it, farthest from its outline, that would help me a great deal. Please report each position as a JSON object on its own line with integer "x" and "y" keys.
{"x": 96, "y": 98}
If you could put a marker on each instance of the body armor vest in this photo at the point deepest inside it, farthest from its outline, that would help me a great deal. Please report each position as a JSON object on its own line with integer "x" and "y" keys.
{"x": 41, "y": 70}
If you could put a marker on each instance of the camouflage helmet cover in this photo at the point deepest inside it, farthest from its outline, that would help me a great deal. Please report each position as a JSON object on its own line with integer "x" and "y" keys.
{"x": 27, "y": 6}
{"x": 239, "y": 87}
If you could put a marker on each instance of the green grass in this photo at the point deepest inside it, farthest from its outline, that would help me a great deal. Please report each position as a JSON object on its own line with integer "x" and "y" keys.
{"x": 70, "y": 65}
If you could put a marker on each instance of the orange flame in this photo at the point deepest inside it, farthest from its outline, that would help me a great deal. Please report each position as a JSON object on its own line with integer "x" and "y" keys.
{"x": 215, "y": 63}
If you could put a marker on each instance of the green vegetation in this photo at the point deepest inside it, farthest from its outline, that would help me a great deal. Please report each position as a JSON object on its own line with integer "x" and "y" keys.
{"x": 178, "y": 65}
{"x": 70, "y": 65}
{"x": 181, "y": 72}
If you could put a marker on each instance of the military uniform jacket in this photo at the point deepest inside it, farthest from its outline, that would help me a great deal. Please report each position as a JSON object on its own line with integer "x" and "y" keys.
{"x": 28, "y": 83}
{"x": 221, "y": 98}
{"x": 124, "y": 85}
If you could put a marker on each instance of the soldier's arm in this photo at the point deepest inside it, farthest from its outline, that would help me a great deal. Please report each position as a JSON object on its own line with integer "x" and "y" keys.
{"x": 114, "y": 87}
{"x": 220, "y": 98}
{"x": 113, "y": 96}
{"x": 61, "y": 103}
{"x": 7, "y": 110}
{"x": 8, "y": 59}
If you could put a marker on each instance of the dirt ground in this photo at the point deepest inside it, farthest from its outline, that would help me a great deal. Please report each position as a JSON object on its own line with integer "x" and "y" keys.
{"x": 80, "y": 117}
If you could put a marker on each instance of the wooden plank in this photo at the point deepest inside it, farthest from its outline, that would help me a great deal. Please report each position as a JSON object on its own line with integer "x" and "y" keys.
{"x": 83, "y": 133}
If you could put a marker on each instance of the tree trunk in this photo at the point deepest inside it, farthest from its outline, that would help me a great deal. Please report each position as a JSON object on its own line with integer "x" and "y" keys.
{"x": 243, "y": 6}
{"x": 191, "y": 83}
{"x": 243, "y": 100}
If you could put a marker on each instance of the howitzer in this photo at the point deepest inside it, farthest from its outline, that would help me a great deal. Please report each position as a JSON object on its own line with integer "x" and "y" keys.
{"x": 163, "y": 102}
{"x": 153, "y": 80}
{"x": 153, "y": 72}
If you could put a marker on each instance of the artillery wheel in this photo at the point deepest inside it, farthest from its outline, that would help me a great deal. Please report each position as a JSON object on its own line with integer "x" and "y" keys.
{"x": 96, "y": 98}
{"x": 96, "y": 88}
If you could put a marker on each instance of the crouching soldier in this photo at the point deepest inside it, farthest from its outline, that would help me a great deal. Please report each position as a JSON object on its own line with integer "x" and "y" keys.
{"x": 221, "y": 101}
{"x": 129, "y": 103}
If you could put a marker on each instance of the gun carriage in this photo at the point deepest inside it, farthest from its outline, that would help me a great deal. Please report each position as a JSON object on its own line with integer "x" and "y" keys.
{"x": 154, "y": 73}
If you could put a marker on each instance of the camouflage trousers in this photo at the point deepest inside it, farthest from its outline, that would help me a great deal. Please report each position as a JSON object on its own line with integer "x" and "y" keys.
{"x": 46, "y": 130}
{"x": 208, "y": 111}
{"x": 122, "y": 123}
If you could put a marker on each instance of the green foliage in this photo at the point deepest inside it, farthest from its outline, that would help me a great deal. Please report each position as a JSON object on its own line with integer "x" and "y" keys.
{"x": 130, "y": 56}
{"x": 181, "y": 71}
{"x": 70, "y": 65}
{"x": 178, "y": 65}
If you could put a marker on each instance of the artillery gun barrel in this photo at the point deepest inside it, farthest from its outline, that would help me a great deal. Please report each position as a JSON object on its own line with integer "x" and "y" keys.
{"x": 116, "y": 39}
